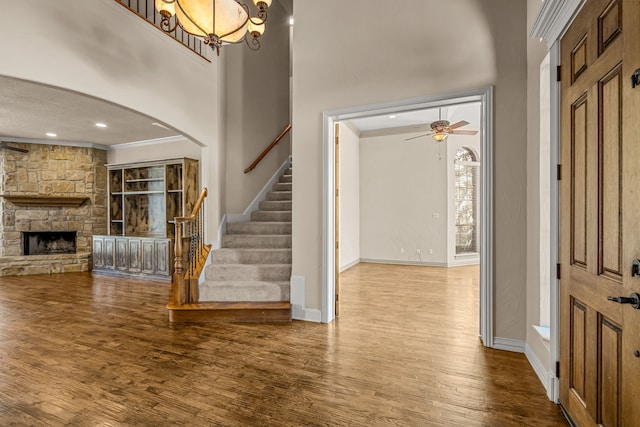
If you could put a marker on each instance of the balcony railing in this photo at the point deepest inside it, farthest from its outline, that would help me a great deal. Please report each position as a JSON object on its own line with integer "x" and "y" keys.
{"x": 145, "y": 9}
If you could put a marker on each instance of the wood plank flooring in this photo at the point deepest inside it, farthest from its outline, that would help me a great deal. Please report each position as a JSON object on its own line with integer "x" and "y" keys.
{"x": 79, "y": 350}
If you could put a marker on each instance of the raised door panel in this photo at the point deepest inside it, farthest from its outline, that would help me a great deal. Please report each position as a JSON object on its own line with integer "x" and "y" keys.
{"x": 148, "y": 257}
{"x": 135, "y": 255}
{"x": 109, "y": 253}
{"x": 163, "y": 254}
{"x": 122, "y": 254}
{"x": 98, "y": 252}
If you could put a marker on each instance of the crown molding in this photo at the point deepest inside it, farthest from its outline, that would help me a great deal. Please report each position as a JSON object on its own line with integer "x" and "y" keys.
{"x": 553, "y": 19}
{"x": 54, "y": 142}
{"x": 164, "y": 140}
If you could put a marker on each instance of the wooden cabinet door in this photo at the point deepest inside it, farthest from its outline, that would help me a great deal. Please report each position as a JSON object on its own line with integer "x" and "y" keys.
{"x": 600, "y": 215}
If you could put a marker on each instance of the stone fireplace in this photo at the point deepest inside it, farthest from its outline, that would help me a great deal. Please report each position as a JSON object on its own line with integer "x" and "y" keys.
{"x": 54, "y": 197}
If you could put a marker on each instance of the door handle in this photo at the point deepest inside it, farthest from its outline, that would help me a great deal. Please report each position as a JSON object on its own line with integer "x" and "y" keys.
{"x": 635, "y": 268}
{"x": 633, "y": 299}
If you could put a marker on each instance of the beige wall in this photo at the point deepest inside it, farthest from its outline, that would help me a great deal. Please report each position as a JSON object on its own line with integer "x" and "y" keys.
{"x": 403, "y": 185}
{"x": 367, "y": 58}
{"x": 257, "y": 107}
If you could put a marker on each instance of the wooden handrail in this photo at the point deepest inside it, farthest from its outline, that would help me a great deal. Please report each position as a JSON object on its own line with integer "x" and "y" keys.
{"x": 269, "y": 148}
{"x": 196, "y": 207}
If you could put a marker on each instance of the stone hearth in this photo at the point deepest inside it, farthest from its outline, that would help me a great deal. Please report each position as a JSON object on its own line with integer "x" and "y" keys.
{"x": 51, "y": 188}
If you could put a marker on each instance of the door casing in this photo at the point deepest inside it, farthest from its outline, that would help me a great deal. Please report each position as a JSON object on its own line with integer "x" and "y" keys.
{"x": 485, "y": 96}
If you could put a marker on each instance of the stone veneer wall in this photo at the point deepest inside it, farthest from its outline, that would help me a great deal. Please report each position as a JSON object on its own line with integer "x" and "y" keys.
{"x": 51, "y": 170}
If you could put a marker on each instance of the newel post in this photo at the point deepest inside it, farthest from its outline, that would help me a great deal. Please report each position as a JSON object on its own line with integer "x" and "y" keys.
{"x": 180, "y": 291}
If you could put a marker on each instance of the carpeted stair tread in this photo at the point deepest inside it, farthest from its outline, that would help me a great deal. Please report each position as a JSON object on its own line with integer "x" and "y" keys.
{"x": 259, "y": 227}
{"x": 272, "y": 216}
{"x": 264, "y": 272}
{"x": 256, "y": 241}
{"x": 279, "y": 195}
{"x": 251, "y": 256}
{"x": 275, "y": 205}
{"x": 282, "y": 186}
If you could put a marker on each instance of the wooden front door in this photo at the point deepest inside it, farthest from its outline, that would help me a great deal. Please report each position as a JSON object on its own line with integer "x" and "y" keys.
{"x": 600, "y": 215}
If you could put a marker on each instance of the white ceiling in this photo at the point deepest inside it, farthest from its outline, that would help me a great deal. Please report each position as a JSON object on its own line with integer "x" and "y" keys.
{"x": 417, "y": 120}
{"x": 29, "y": 110}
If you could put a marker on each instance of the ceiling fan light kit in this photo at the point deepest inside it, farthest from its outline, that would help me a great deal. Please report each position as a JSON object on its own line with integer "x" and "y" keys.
{"x": 217, "y": 22}
{"x": 441, "y": 129}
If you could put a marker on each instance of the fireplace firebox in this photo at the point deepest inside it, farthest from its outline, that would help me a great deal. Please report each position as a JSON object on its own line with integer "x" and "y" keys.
{"x": 49, "y": 242}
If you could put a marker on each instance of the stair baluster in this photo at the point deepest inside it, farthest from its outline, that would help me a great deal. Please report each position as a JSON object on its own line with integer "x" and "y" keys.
{"x": 191, "y": 229}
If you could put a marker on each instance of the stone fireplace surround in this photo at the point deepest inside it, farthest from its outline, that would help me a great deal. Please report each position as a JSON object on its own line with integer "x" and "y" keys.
{"x": 51, "y": 188}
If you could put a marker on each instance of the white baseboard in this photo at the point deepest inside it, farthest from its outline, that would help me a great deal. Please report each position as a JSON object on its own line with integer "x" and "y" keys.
{"x": 508, "y": 344}
{"x": 349, "y": 265}
{"x": 539, "y": 369}
{"x": 261, "y": 196}
{"x": 298, "y": 310}
{"x": 396, "y": 262}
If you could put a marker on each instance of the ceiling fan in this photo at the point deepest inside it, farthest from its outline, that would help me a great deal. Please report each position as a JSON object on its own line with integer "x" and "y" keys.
{"x": 441, "y": 129}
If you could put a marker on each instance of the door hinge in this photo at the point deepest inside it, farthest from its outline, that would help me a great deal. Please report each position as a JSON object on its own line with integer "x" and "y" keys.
{"x": 559, "y": 172}
{"x": 337, "y": 193}
{"x": 558, "y": 271}
{"x": 558, "y": 73}
{"x": 337, "y": 245}
{"x": 558, "y": 369}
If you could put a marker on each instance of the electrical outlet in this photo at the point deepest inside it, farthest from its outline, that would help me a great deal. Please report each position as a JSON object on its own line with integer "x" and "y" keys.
{"x": 436, "y": 215}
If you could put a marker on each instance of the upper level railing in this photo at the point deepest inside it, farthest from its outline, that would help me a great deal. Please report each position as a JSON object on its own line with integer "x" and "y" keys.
{"x": 266, "y": 151}
{"x": 145, "y": 9}
{"x": 190, "y": 254}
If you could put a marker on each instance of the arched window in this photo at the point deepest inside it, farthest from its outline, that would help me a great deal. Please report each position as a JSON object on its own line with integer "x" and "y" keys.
{"x": 467, "y": 183}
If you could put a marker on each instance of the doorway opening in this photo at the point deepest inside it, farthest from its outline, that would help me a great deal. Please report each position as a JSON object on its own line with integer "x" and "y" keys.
{"x": 449, "y": 103}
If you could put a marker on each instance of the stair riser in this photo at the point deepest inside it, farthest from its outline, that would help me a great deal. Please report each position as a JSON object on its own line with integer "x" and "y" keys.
{"x": 242, "y": 292}
{"x": 274, "y": 216}
{"x": 279, "y": 205}
{"x": 279, "y": 195}
{"x": 240, "y": 256}
{"x": 288, "y": 171}
{"x": 274, "y": 273}
{"x": 282, "y": 186}
{"x": 264, "y": 227}
{"x": 286, "y": 178}
{"x": 256, "y": 242}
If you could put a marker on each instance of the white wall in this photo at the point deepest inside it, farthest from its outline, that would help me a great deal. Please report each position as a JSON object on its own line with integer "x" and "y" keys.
{"x": 349, "y": 195}
{"x": 368, "y": 58}
{"x": 403, "y": 193}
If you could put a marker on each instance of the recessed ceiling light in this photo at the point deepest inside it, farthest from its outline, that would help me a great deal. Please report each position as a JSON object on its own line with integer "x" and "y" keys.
{"x": 51, "y": 134}
{"x": 101, "y": 125}
{"x": 393, "y": 116}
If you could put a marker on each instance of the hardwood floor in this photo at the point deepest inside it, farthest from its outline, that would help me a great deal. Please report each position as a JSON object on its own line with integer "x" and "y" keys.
{"x": 79, "y": 350}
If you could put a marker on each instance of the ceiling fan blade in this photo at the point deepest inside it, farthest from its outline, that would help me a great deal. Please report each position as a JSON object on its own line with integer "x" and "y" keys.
{"x": 464, "y": 132}
{"x": 4, "y": 146}
{"x": 416, "y": 137}
{"x": 458, "y": 124}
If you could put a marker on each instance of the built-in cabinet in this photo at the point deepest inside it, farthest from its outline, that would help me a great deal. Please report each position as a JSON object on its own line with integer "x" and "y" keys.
{"x": 144, "y": 198}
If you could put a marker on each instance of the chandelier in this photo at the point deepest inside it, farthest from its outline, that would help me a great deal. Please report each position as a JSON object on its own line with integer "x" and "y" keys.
{"x": 217, "y": 22}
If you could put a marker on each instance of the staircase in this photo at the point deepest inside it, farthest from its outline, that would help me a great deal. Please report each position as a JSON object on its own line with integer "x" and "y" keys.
{"x": 249, "y": 276}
